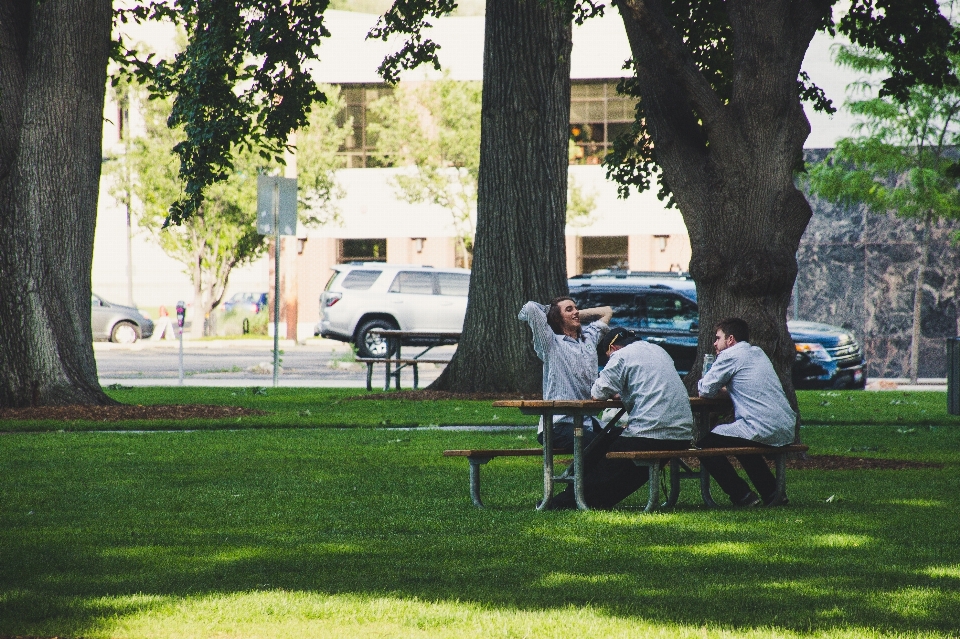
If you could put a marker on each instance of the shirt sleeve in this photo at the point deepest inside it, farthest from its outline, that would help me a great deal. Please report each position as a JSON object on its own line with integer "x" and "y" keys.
{"x": 717, "y": 377}
{"x": 609, "y": 382}
{"x": 594, "y": 331}
{"x": 535, "y": 315}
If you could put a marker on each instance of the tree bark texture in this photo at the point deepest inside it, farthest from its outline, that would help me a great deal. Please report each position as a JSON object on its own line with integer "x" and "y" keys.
{"x": 520, "y": 251}
{"x": 730, "y": 163}
{"x": 53, "y": 61}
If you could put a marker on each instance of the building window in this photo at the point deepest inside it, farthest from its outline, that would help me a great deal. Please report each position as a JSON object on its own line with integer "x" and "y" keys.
{"x": 598, "y": 115}
{"x": 604, "y": 252}
{"x": 360, "y": 145}
{"x": 363, "y": 250}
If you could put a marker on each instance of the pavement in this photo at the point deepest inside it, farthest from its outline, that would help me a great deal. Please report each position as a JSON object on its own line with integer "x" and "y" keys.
{"x": 312, "y": 363}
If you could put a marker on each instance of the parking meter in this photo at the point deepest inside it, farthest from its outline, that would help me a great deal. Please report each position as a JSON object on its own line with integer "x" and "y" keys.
{"x": 181, "y": 313}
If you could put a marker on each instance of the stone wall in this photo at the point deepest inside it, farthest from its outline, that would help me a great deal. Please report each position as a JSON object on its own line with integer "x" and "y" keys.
{"x": 858, "y": 270}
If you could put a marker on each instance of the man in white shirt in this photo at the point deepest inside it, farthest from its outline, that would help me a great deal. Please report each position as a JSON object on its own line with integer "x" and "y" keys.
{"x": 568, "y": 351}
{"x": 658, "y": 416}
{"x": 763, "y": 414}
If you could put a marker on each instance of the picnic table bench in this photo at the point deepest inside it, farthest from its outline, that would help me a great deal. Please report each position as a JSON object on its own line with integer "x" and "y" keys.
{"x": 395, "y": 340}
{"x": 702, "y": 408}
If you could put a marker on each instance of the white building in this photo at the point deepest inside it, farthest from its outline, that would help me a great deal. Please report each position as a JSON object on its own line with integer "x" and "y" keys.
{"x": 638, "y": 233}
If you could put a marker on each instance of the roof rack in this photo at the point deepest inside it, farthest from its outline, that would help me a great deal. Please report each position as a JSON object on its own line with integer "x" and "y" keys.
{"x": 620, "y": 273}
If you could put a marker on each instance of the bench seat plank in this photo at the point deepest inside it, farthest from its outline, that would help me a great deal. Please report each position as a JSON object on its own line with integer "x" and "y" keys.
{"x": 708, "y": 452}
{"x": 506, "y": 452}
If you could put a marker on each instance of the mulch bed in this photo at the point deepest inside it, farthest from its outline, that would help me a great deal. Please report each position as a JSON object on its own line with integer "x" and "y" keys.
{"x": 433, "y": 395}
{"x": 121, "y": 413}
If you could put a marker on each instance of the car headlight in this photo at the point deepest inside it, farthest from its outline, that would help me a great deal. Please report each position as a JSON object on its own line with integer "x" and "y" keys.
{"x": 813, "y": 350}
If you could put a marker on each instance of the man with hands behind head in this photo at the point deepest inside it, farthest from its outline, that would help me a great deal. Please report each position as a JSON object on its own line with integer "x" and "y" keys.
{"x": 565, "y": 339}
{"x": 763, "y": 414}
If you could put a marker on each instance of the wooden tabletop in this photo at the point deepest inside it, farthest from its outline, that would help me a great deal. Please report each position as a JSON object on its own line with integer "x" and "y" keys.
{"x": 598, "y": 404}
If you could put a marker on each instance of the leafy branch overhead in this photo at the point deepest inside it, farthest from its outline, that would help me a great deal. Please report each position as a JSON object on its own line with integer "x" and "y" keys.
{"x": 240, "y": 84}
{"x": 917, "y": 38}
{"x": 409, "y": 18}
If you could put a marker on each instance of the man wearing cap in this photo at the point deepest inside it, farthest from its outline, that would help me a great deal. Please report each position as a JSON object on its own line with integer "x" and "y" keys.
{"x": 658, "y": 413}
{"x": 763, "y": 414}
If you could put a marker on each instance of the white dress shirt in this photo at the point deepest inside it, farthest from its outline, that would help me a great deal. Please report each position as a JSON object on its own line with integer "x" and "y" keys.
{"x": 645, "y": 377}
{"x": 569, "y": 365}
{"x": 760, "y": 405}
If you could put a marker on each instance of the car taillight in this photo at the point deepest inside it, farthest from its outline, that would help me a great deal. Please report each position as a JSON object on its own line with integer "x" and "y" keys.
{"x": 332, "y": 298}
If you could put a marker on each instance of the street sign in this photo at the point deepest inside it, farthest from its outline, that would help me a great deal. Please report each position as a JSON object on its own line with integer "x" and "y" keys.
{"x": 279, "y": 192}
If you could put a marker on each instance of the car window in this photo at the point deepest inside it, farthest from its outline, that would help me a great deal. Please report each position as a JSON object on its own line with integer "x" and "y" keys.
{"x": 332, "y": 279}
{"x": 625, "y": 307}
{"x": 669, "y": 312}
{"x": 360, "y": 279}
{"x": 454, "y": 283}
{"x": 413, "y": 282}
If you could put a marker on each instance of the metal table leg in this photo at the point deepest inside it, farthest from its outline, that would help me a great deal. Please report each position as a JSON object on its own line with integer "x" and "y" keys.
{"x": 475, "y": 463}
{"x": 547, "y": 462}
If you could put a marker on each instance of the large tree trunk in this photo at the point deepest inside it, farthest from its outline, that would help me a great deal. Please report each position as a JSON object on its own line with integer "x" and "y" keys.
{"x": 520, "y": 252}
{"x": 730, "y": 162}
{"x": 53, "y": 61}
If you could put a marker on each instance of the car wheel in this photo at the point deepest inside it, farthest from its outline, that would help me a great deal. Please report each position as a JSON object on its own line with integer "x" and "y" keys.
{"x": 124, "y": 333}
{"x": 370, "y": 344}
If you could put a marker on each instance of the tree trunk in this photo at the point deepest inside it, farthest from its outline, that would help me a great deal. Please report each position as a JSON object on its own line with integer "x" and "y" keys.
{"x": 730, "y": 162}
{"x": 53, "y": 61}
{"x": 918, "y": 299}
{"x": 520, "y": 251}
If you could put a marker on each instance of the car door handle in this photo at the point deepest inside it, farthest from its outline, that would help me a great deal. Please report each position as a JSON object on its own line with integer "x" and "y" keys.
{"x": 655, "y": 340}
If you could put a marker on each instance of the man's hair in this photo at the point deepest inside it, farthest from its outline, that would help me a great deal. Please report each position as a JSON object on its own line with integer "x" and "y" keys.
{"x": 734, "y": 326}
{"x": 554, "y": 318}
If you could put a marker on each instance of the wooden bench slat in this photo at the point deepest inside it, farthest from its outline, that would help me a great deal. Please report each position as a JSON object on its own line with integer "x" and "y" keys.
{"x": 505, "y": 452}
{"x": 706, "y": 452}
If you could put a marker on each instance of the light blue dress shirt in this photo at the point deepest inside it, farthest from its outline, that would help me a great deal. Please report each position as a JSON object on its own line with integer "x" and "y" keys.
{"x": 646, "y": 379}
{"x": 760, "y": 405}
{"x": 569, "y": 365}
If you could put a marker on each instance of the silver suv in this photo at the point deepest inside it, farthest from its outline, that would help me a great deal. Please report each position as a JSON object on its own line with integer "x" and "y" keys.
{"x": 361, "y": 296}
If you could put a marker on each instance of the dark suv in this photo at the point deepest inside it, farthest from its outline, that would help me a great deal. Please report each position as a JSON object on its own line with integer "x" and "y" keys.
{"x": 662, "y": 309}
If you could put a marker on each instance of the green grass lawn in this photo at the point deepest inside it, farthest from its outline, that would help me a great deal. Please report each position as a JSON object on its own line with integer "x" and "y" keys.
{"x": 323, "y": 407}
{"x": 363, "y": 532}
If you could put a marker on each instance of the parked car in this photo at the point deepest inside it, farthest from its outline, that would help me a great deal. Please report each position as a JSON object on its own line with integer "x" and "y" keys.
{"x": 116, "y": 323}
{"x": 250, "y": 302}
{"x": 662, "y": 309}
{"x": 361, "y": 296}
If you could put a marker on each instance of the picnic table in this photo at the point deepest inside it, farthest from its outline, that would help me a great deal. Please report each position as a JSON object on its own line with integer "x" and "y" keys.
{"x": 427, "y": 340}
{"x": 703, "y": 408}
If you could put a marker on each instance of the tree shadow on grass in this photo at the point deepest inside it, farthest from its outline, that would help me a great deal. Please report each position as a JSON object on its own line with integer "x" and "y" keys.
{"x": 177, "y": 531}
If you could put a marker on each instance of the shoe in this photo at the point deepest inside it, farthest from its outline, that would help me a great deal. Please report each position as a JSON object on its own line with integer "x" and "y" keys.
{"x": 749, "y": 501}
{"x": 769, "y": 502}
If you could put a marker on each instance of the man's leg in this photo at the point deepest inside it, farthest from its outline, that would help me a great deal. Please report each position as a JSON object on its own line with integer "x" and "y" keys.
{"x": 722, "y": 470}
{"x": 613, "y": 480}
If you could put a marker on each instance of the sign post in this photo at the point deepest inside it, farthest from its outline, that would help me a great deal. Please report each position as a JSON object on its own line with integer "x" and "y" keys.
{"x": 181, "y": 316}
{"x": 276, "y": 215}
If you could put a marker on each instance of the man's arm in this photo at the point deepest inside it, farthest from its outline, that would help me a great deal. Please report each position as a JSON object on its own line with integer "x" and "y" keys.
{"x": 608, "y": 383}
{"x": 601, "y": 313}
{"x": 536, "y": 316}
{"x": 717, "y": 377}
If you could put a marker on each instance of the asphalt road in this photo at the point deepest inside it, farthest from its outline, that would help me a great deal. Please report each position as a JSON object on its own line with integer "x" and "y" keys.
{"x": 317, "y": 362}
